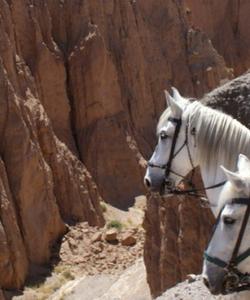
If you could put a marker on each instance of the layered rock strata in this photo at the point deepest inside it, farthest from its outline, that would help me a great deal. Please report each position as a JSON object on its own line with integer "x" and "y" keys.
{"x": 225, "y": 24}
{"x": 81, "y": 85}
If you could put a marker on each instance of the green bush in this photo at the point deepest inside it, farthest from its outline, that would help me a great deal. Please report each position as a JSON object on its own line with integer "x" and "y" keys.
{"x": 115, "y": 224}
{"x": 67, "y": 274}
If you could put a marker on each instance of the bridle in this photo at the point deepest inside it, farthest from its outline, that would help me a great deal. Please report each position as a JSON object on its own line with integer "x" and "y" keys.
{"x": 234, "y": 280}
{"x": 173, "y": 153}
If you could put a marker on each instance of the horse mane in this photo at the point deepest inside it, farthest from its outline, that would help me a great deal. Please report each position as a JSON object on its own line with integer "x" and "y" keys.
{"x": 220, "y": 138}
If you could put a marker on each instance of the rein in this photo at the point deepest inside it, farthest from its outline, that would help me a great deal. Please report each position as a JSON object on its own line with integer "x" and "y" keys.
{"x": 234, "y": 280}
{"x": 193, "y": 192}
{"x": 167, "y": 167}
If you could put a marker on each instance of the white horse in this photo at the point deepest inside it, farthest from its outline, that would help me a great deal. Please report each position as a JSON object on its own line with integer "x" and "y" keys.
{"x": 226, "y": 265}
{"x": 191, "y": 134}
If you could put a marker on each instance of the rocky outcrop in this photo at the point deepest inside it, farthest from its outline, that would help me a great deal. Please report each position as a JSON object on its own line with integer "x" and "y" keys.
{"x": 177, "y": 231}
{"x": 225, "y": 24}
{"x": 81, "y": 85}
{"x": 13, "y": 259}
{"x": 233, "y": 98}
{"x": 42, "y": 183}
{"x": 116, "y": 71}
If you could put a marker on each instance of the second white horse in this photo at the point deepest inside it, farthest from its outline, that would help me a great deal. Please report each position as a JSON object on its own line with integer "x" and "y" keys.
{"x": 226, "y": 266}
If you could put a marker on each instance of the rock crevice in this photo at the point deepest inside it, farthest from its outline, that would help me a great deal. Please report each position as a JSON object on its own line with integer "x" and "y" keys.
{"x": 79, "y": 82}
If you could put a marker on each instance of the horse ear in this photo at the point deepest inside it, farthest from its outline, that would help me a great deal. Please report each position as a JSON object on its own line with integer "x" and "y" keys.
{"x": 174, "y": 105}
{"x": 243, "y": 163}
{"x": 168, "y": 97}
{"x": 177, "y": 96}
{"x": 235, "y": 178}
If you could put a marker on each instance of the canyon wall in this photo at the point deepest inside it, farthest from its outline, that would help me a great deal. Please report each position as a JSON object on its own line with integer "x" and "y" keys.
{"x": 43, "y": 184}
{"x": 81, "y": 89}
{"x": 225, "y": 23}
{"x": 118, "y": 59}
{"x": 176, "y": 236}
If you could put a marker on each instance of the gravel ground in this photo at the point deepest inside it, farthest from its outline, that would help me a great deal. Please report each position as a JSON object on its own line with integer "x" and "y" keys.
{"x": 197, "y": 291}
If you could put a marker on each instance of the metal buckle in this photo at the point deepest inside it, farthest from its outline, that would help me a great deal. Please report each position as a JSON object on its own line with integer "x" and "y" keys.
{"x": 232, "y": 281}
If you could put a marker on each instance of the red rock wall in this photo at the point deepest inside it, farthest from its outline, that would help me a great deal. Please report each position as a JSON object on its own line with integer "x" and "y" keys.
{"x": 117, "y": 68}
{"x": 226, "y": 24}
{"x": 177, "y": 231}
{"x": 42, "y": 182}
{"x": 81, "y": 85}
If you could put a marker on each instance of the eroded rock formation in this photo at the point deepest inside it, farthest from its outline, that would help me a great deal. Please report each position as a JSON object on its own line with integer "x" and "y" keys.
{"x": 176, "y": 236}
{"x": 225, "y": 23}
{"x": 43, "y": 184}
{"x": 81, "y": 85}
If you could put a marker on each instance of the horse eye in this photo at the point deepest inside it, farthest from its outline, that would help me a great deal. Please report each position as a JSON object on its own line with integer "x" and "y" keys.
{"x": 228, "y": 221}
{"x": 163, "y": 135}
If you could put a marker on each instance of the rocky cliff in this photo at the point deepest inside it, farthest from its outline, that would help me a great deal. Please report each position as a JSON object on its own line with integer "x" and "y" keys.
{"x": 225, "y": 23}
{"x": 43, "y": 183}
{"x": 80, "y": 92}
{"x": 176, "y": 236}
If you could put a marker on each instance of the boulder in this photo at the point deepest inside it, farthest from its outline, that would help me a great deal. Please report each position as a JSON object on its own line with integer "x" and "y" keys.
{"x": 96, "y": 237}
{"x": 128, "y": 239}
{"x": 111, "y": 235}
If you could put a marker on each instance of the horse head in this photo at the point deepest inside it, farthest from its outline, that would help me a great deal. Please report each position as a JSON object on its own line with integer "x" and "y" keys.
{"x": 174, "y": 156}
{"x": 226, "y": 265}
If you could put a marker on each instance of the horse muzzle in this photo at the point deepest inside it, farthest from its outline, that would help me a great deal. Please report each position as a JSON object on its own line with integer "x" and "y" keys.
{"x": 153, "y": 183}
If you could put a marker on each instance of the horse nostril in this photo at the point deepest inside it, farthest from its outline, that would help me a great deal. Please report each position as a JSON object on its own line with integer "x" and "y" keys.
{"x": 147, "y": 183}
{"x": 205, "y": 281}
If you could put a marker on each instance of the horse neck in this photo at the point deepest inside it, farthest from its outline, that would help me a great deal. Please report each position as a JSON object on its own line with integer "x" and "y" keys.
{"x": 209, "y": 180}
{"x": 214, "y": 174}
